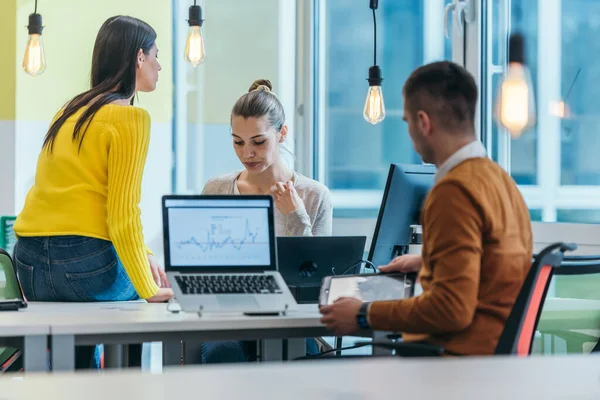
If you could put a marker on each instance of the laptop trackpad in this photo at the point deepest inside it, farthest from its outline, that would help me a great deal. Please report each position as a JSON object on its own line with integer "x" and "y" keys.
{"x": 238, "y": 302}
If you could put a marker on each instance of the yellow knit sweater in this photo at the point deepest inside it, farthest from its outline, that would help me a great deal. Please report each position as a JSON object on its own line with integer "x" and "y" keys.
{"x": 96, "y": 191}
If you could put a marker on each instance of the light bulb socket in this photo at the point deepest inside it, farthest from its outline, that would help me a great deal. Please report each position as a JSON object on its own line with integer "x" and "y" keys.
{"x": 374, "y": 4}
{"x": 35, "y": 24}
{"x": 195, "y": 16}
{"x": 516, "y": 49}
{"x": 375, "y": 78}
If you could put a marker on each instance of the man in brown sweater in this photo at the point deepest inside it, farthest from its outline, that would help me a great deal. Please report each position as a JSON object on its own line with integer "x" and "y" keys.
{"x": 477, "y": 240}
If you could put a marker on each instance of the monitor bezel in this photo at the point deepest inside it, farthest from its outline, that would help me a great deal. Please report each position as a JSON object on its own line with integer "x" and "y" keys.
{"x": 220, "y": 268}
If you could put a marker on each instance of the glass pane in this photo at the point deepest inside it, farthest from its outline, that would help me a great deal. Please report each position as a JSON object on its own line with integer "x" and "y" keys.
{"x": 523, "y": 151}
{"x": 409, "y": 33}
{"x": 578, "y": 216}
{"x": 561, "y": 55}
{"x": 535, "y": 215}
{"x": 498, "y": 33}
{"x": 580, "y": 57}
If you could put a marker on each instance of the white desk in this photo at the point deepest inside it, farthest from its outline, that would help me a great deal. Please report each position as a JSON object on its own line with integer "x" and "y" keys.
{"x": 24, "y": 331}
{"x": 547, "y": 378}
{"x": 133, "y": 322}
{"x": 577, "y": 321}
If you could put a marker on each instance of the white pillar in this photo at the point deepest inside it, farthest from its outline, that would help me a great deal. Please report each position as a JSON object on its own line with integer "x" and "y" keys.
{"x": 549, "y": 92}
{"x": 433, "y": 31}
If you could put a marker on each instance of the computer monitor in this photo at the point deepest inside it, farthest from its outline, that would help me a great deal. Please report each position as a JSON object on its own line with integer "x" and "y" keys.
{"x": 405, "y": 190}
{"x": 305, "y": 261}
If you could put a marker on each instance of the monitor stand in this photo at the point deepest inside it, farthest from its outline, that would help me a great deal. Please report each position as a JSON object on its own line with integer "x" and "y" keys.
{"x": 400, "y": 250}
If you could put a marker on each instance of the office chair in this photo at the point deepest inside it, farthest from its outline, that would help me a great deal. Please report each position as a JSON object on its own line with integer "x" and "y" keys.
{"x": 518, "y": 333}
{"x": 577, "y": 278}
{"x": 9, "y": 289}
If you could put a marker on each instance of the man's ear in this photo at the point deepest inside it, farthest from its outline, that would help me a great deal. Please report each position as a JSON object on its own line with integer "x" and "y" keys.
{"x": 141, "y": 58}
{"x": 283, "y": 133}
{"x": 424, "y": 123}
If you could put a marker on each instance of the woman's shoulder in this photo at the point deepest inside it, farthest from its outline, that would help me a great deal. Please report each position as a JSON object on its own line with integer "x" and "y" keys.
{"x": 310, "y": 186}
{"x": 123, "y": 114}
{"x": 222, "y": 184}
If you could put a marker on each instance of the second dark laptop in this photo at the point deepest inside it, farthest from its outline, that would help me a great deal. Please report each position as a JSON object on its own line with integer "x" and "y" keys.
{"x": 305, "y": 261}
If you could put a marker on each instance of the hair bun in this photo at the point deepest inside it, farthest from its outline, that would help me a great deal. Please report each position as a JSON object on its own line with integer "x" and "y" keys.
{"x": 261, "y": 85}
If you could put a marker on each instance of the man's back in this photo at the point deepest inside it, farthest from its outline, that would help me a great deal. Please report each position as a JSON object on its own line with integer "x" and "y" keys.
{"x": 496, "y": 223}
{"x": 477, "y": 251}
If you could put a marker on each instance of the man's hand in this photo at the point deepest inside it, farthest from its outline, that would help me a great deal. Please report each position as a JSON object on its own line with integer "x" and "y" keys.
{"x": 158, "y": 273}
{"x": 340, "y": 317}
{"x": 405, "y": 263}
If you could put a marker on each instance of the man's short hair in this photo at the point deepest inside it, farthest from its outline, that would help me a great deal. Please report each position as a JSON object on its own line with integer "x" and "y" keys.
{"x": 445, "y": 91}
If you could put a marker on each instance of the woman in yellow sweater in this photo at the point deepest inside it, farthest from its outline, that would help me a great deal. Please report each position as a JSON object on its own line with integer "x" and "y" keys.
{"x": 80, "y": 232}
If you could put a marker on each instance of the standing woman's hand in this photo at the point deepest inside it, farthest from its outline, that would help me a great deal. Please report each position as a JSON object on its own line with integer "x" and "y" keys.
{"x": 158, "y": 273}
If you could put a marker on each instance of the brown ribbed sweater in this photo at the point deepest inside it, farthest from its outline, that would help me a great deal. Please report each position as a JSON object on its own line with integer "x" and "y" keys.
{"x": 477, "y": 250}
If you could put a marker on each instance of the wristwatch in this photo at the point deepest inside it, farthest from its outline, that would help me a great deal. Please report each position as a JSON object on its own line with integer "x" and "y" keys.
{"x": 362, "y": 316}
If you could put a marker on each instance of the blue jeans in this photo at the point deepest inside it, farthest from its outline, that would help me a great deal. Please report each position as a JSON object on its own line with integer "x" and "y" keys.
{"x": 72, "y": 269}
{"x": 239, "y": 351}
{"x": 227, "y": 352}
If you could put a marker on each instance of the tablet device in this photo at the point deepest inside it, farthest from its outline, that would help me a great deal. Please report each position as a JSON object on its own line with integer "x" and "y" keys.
{"x": 12, "y": 304}
{"x": 366, "y": 287}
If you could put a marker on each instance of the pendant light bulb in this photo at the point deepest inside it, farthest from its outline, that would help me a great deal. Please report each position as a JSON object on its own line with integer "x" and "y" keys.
{"x": 374, "y": 111}
{"x": 194, "y": 52}
{"x": 515, "y": 105}
{"x": 34, "y": 60}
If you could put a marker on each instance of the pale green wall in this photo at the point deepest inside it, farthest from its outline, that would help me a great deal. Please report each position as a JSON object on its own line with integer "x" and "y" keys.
{"x": 70, "y": 30}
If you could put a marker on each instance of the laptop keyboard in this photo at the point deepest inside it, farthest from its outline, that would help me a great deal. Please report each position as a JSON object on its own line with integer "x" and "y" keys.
{"x": 227, "y": 284}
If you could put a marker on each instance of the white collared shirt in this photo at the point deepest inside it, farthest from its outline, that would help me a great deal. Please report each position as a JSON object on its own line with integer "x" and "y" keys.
{"x": 474, "y": 149}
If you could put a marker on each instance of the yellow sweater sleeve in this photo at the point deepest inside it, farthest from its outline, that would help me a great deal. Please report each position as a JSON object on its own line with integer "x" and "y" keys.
{"x": 126, "y": 160}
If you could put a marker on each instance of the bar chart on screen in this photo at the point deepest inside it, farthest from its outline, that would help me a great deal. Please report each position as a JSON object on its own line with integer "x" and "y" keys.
{"x": 219, "y": 236}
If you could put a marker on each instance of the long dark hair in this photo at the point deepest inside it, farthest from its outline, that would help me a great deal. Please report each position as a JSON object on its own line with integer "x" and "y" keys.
{"x": 113, "y": 72}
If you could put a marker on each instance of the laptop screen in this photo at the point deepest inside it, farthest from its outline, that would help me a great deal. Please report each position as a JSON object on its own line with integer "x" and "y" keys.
{"x": 214, "y": 233}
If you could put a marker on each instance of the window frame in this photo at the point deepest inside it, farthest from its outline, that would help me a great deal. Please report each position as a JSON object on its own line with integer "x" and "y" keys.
{"x": 548, "y": 194}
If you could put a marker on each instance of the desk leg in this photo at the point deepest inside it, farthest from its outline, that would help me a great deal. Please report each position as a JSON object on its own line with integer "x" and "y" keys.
{"x": 272, "y": 350}
{"x": 171, "y": 353}
{"x": 113, "y": 356}
{"x": 63, "y": 352}
{"x": 35, "y": 357}
{"x": 295, "y": 348}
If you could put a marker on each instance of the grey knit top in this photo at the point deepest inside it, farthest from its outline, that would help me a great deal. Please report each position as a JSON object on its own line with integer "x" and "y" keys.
{"x": 314, "y": 220}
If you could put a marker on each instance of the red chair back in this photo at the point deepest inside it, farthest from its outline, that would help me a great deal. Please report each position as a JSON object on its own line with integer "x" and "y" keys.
{"x": 517, "y": 336}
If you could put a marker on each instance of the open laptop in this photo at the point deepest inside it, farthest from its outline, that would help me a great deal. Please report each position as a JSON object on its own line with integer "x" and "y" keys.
{"x": 220, "y": 254}
{"x": 305, "y": 261}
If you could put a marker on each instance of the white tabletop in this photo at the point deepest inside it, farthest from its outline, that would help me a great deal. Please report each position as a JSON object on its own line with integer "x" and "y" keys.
{"x": 22, "y": 323}
{"x": 566, "y": 304}
{"x": 133, "y": 317}
{"x": 574, "y": 377}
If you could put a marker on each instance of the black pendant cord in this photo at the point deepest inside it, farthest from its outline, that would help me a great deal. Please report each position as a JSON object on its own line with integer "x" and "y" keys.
{"x": 35, "y": 11}
{"x": 374, "y": 38}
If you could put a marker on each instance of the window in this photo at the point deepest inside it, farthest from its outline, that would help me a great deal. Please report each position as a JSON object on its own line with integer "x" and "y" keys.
{"x": 240, "y": 49}
{"x": 556, "y": 162}
{"x": 353, "y": 156}
{"x": 323, "y": 49}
